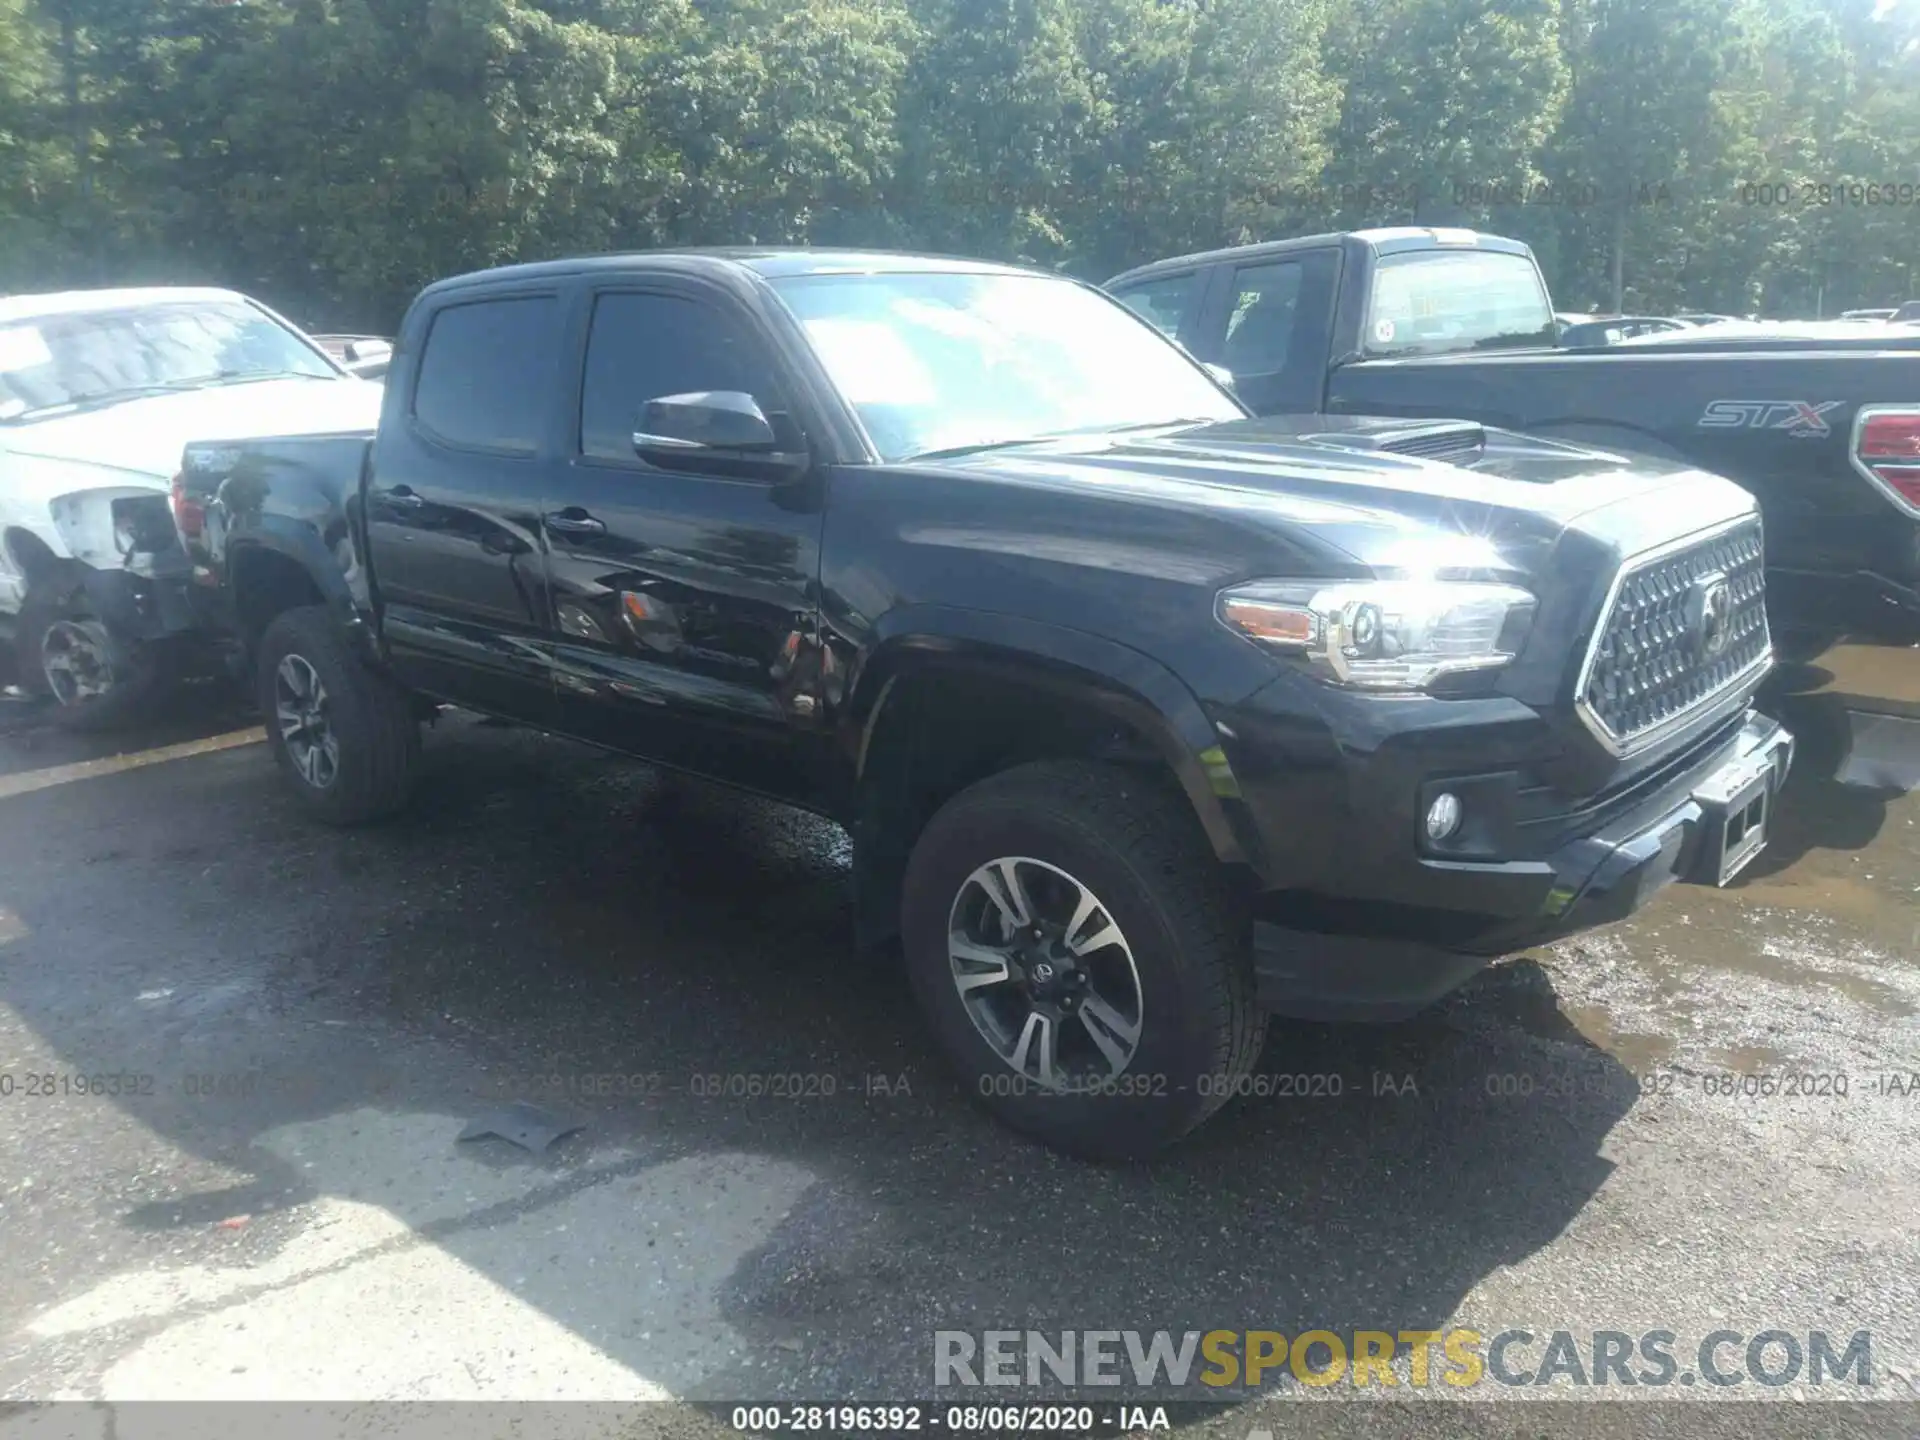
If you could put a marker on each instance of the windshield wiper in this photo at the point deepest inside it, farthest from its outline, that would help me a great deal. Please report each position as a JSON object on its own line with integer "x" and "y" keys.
{"x": 1169, "y": 424}
{"x": 159, "y": 387}
{"x": 228, "y": 377}
{"x": 952, "y": 452}
{"x": 96, "y": 397}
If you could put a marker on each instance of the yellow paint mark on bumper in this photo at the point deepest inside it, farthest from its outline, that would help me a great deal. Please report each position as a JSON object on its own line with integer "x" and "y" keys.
{"x": 114, "y": 764}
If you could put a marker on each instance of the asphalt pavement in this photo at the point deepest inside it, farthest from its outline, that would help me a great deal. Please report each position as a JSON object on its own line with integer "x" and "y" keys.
{"x": 237, "y": 1051}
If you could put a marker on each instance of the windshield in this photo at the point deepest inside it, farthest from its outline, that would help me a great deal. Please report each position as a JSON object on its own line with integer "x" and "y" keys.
{"x": 936, "y": 362}
{"x": 1429, "y": 301}
{"x": 56, "y": 363}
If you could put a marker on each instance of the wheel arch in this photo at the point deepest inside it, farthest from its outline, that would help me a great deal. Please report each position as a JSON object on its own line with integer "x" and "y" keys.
{"x": 272, "y": 571}
{"x": 955, "y": 696}
{"x": 28, "y": 552}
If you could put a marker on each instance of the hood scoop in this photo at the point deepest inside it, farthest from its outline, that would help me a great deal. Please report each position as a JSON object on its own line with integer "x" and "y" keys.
{"x": 1455, "y": 442}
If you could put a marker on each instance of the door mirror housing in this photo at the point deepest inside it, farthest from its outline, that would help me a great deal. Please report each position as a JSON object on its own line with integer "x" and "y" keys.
{"x": 713, "y": 429}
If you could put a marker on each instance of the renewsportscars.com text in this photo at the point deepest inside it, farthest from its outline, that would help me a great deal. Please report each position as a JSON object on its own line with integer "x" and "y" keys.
{"x": 1250, "y": 1359}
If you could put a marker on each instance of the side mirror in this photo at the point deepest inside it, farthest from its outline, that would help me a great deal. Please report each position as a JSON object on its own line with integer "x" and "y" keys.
{"x": 359, "y": 351}
{"x": 701, "y": 429}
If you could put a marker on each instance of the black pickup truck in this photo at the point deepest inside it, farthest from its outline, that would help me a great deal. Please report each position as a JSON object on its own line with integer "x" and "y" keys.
{"x": 1823, "y": 427}
{"x": 1147, "y": 718}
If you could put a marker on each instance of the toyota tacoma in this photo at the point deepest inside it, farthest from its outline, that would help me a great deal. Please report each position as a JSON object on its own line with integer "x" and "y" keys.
{"x": 1147, "y": 718}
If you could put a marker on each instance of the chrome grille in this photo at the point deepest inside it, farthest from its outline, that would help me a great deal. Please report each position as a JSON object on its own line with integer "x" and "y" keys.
{"x": 1655, "y": 659}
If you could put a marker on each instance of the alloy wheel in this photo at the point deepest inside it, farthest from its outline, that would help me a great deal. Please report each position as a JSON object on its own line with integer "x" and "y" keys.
{"x": 77, "y": 658}
{"x": 1045, "y": 973}
{"x": 300, "y": 707}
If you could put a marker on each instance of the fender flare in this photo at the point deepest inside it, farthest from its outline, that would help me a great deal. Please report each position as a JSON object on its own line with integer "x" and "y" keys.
{"x": 1127, "y": 684}
{"x": 303, "y": 545}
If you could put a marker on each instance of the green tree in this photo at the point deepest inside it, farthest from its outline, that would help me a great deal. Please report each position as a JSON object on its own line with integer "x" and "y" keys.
{"x": 333, "y": 155}
{"x": 1219, "y": 125}
{"x": 785, "y": 119}
{"x": 1640, "y": 137}
{"x": 997, "y": 102}
{"x": 374, "y": 144}
{"x": 1448, "y": 106}
{"x": 27, "y": 166}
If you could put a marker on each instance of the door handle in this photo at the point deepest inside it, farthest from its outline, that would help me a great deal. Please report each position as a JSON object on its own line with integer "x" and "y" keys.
{"x": 403, "y": 495}
{"x": 575, "y": 521}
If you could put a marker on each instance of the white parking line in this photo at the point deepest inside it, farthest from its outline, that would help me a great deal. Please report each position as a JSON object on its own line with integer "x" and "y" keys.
{"x": 113, "y": 764}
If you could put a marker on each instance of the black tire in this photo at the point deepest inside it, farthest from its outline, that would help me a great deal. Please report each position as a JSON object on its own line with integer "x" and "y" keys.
{"x": 370, "y": 719}
{"x": 133, "y": 673}
{"x": 1132, "y": 839}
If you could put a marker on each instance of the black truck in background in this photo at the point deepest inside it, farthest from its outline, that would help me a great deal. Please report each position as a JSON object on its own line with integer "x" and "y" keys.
{"x": 1147, "y": 718}
{"x": 1823, "y": 427}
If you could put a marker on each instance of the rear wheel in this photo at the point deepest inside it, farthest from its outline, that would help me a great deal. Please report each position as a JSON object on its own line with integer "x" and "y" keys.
{"x": 1073, "y": 943}
{"x": 344, "y": 735}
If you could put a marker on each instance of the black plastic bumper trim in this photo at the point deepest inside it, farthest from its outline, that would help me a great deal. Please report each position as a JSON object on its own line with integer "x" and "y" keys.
{"x": 1594, "y": 881}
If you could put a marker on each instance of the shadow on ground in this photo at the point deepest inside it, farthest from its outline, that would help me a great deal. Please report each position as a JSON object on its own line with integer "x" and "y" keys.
{"x": 31, "y": 737}
{"x": 550, "y": 924}
{"x": 1814, "y": 810}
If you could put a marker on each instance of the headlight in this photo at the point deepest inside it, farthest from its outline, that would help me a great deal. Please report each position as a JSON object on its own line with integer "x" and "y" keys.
{"x": 1383, "y": 634}
{"x": 143, "y": 526}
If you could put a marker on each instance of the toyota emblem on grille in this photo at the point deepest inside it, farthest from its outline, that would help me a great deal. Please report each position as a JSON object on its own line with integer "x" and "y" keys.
{"x": 1710, "y": 615}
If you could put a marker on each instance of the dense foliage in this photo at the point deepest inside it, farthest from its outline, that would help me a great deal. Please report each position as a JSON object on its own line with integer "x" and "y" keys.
{"x": 331, "y": 155}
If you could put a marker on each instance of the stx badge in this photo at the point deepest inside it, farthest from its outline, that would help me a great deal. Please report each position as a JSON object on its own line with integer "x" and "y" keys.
{"x": 1803, "y": 419}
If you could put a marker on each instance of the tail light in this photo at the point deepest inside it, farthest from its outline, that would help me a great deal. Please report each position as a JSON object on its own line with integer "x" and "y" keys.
{"x": 1886, "y": 450}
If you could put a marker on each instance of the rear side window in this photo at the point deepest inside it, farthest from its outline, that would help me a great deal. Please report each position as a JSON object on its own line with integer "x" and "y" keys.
{"x": 1162, "y": 302}
{"x": 488, "y": 372}
{"x": 1266, "y": 299}
{"x": 1277, "y": 330}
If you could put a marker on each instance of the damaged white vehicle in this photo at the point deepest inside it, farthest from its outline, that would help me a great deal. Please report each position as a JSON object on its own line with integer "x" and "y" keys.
{"x": 99, "y": 393}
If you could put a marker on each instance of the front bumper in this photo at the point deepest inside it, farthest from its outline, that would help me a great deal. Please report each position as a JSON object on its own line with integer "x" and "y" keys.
{"x": 1587, "y": 881}
{"x": 141, "y": 606}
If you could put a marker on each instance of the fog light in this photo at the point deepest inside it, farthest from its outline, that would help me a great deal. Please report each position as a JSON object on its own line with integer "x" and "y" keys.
{"x": 1443, "y": 816}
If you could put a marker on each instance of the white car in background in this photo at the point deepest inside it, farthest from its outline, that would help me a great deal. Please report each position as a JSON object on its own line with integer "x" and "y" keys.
{"x": 100, "y": 391}
{"x": 364, "y": 355}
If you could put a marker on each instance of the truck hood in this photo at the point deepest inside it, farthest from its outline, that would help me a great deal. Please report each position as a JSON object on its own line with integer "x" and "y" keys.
{"x": 144, "y": 437}
{"x": 1336, "y": 487}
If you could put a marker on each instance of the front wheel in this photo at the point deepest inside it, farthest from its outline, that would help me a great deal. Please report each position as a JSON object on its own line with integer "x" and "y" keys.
{"x": 97, "y": 680}
{"x": 344, "y": 735}
{"x": 1073, "y": 943}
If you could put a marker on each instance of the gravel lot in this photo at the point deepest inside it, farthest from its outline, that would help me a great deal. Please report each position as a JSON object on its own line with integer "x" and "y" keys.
{"x": 299, "y": 1023}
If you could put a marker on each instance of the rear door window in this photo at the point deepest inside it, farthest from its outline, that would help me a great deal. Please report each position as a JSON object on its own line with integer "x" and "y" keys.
{"x": 1277, "y": 331}
{"x": 488, "y": 372}
{"x": 1163, "y": 301}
